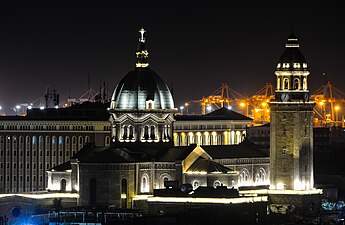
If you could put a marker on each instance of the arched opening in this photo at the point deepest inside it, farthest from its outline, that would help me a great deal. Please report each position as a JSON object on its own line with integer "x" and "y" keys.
{"x": 93, "y": 192}
{"x": 286, "y": 84}
{"x": 305, "y": 84}
{"x": 243, "y": 178}
{"x": 124, "y": 132}
{"x": 217, "y": 183}
{"x": 296, "y": 84}
{"x": 260, "y": 176}
{"x": 196, "y": 184}
{"x": 152, "y": 133}
{"x": 145, "y": 184}
{"x": 63, "y": 185}
{"x": 146, "y": 132}
{"x": 124, "y": 193}
{"x": 131, "y": 132}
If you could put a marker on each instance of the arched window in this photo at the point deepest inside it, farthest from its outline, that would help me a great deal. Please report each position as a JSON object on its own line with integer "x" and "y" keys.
{"x": 87, "y": 139}
{"x": 80, "y": 142}
{"x": 243, "y": 178}
{"x": 124, "y": 193}
{"x": 74, "y": 143}
{"x": 107, "y": 141}
{"x": 146, "y": 132}
{"x": 60, "y": 142}
{"x": 47, "y": 142}
{"x": 63, "y": 185}
{"x": 286, "y": 84}
{"x": 27, "y": 143}
{"x": 305, "y": 87}
{"x": 217, "y": 183}
{"x": 67, "y": 143}
{"x": 196, "y": 184}
{"x": 131, "y": 132}
{"x": 124, "y": 132}
{"x": 145, "y": 184}
{"x": 164, "y": 178}
{"x": 34, "y": 143}
{"x": 14, "y": 142}
{"x": 260, "y": 176}
{"x": 296, "y": 84}
{"x": 153, "y": 132}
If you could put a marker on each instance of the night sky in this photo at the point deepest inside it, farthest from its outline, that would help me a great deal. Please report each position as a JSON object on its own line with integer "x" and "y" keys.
{"x": 194, "y": 45}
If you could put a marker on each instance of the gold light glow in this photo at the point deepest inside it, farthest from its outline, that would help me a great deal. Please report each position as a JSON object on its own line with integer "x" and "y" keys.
{"x": 210, "y": 200}
{"x": 286, "y": 192}
{"x": 336, "y": 107}
{"x": 43, "y": 195}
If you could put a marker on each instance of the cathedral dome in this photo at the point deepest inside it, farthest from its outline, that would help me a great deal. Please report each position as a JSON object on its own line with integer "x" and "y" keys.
{"x": 292, "y": 59}
{"x": 142, "y": 88}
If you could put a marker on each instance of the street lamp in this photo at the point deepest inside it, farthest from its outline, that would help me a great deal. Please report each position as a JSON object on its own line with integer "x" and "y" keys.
{"x": 242, "y": 104}
{"x": 186, "y": 104}
{"x": 181, "y": 108}
{"x": 336, "y": 114}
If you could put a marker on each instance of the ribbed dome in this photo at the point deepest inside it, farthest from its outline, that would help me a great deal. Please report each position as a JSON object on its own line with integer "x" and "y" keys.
{"x": 292, "y": 59}
{"x": 139, "y": 86}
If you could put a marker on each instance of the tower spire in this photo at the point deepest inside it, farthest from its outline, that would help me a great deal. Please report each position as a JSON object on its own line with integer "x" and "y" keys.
{"x": 142, "y": 53}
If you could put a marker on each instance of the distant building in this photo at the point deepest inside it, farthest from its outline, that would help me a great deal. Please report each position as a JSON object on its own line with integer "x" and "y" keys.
{"x": 220, "y": 127}
{"x": 32, "y": 144}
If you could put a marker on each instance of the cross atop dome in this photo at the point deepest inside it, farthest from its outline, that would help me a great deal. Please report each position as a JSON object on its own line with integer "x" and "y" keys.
{"x": 142, "y": 31}
{"x": 142, "y": 53}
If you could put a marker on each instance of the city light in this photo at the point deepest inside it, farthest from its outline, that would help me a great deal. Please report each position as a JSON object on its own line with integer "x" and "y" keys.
{"x": 181, "y": 108}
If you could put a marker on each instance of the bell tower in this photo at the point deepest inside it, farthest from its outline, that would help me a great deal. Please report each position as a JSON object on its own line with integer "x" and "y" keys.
{"x": 291, "y": 128}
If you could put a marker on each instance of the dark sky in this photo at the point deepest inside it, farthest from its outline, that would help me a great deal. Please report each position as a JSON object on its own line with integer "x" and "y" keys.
{"x": 194, "y": 45}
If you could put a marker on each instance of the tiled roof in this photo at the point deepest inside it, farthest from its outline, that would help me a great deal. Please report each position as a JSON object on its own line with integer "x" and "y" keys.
{"x": 220, "y": 114}
{"x": 209, "y": 166}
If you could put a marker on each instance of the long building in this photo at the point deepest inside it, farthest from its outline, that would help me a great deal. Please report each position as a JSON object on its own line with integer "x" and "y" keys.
{"x": 32, "y": 144}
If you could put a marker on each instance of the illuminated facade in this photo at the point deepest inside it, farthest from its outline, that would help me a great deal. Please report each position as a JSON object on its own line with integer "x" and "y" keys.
{"x": 291, "y": 130}
{"x": 32, "y": 144}
{"x": 142, "y": 155}
{"x": 220, "y": 127}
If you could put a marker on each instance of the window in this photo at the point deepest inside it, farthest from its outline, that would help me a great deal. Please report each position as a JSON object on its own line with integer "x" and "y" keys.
{"x": 131, "y": 133}
{"x": 286, "y": 84}
{"x": 145, "y": 184}
{"x": 146, "y": 132}
{"x": 217, "y": 183}
{"x": 153, "y": 132}
{"x": 260, "y": 176}
{"x": 124, "y": 131}
{"x": 243, "y": 178}
{"x": 196, "y": 184}
{"x": 296, "y": 84}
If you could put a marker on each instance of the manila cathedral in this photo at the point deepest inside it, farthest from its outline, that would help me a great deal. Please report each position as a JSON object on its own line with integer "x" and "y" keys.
{"x": 150, "y": 166}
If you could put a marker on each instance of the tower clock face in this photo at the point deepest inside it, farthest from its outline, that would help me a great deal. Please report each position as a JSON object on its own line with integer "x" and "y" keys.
{"x": 285, "y": 97}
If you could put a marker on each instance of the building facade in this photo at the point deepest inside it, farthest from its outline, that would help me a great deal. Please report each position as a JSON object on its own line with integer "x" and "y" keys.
{"x": 32, "y": 144}
{"x": 220, "y": 127}
{"x": 291, "y": 127}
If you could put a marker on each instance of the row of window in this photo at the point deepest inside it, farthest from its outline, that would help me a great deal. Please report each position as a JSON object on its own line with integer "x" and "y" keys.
{"x": 14, "y": 178}
{"x": 210, "y": 126}
{"x": 295, "y": 65}
{"x": 214, "y": 138}
{"x": 51, "y": 127}
{"x": 285, "y": 85}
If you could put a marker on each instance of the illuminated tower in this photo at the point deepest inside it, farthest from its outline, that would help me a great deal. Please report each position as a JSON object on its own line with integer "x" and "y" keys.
{"x": 291, "y": 134}
{"x": 142, "y": 106}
